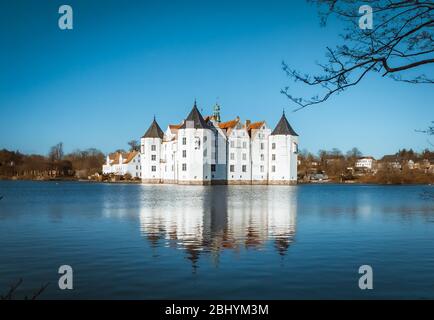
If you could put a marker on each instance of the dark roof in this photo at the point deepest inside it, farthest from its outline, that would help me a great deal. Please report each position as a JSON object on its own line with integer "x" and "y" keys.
{"x": 198, "y": 121}
{"x": 283, "y": 128}
{"x": 154, "y": 131}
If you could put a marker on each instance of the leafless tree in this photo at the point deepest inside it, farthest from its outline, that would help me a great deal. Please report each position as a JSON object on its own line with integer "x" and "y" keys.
{"x": 134, "y": 145}
{"x": 56, "y": 152}
{"x": 10, "y": 295}
{"x": 401, "y": 40}
{"x": 429, "y": 131}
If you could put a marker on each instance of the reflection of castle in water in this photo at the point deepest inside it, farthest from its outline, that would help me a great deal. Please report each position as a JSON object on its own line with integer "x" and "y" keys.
{"x": 222, "y": 218}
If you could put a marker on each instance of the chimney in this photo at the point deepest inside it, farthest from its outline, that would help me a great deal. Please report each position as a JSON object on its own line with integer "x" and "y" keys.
{"x": 248, "y": 123}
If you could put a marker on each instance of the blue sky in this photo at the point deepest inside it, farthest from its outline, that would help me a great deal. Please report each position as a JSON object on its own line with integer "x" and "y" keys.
{"x": 100, "y": 84}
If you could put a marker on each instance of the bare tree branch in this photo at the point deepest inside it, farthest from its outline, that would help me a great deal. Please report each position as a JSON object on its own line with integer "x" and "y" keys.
{"x": 402, "y": 41}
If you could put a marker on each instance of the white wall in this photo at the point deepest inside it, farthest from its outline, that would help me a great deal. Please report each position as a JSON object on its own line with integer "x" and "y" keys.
{"x": 168, "y": 163}
{"x": 239, "y": 155}
{"x": 197, "y": 155}
{"x": 148, "y": 161}
{"x": 218, "y": 155}
{"x": 285, "y": 158}
{"x": 260, "y": 137}
{"x": 133, "y": 167}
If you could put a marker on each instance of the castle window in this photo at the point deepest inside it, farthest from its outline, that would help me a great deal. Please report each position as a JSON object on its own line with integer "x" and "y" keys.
{"x": 232, "y": 144}
{"x": 153, "y": 157}
{"x": 153, "y": 147}
{"x": 232, "y": 168}
{"x": 244, "y": 145}
{"x": 273, "y": 168}
{"x": 184, "y": 153}
{"x": 184, "y": 167}
{"x": 244, "y": 156}
{"x": 273, "y": 146}
{"x": 262, "y": 157}
{"x": 205, "y": 138}
{"x": 273, "y": 157}
{"x": 205, "y": 152}
{"x": 153, "y": 168}
{"x": 232, "y": 156}
{"x": 295, "y": 147}
{"x": 262, "y": 168}
{"x": 184, "y": 141}
{"x": 244, "y": 168}
{"x": 213, "y": 167}
{"x": 196, "y": 142}
{"x": 262, "y": 146}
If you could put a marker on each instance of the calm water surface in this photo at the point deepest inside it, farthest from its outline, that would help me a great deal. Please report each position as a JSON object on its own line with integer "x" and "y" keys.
{"x": 234, "y": 242}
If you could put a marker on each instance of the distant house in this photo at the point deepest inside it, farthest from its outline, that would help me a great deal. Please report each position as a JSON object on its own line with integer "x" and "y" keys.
{"x": 365, "y": 163}
{"x": 412, "y": 165}
{"x": 427, "y": 165}
{"x": 390, "y": 161}
{"x": 120, "y": 164}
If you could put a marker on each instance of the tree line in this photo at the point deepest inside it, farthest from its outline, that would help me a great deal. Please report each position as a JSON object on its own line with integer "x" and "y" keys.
{"x": 404, "y": 166}
{"x": 56, "y": 164}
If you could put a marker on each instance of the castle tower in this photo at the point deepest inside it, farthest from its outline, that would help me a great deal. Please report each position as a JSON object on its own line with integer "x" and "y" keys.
{"x": 151, "y": 153}
{"x": 282, "y": 154}
{"x": 194, "y": 150}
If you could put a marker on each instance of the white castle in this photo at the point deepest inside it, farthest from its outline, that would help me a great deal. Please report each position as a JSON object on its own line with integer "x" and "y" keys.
{"x": 207, "y": 151}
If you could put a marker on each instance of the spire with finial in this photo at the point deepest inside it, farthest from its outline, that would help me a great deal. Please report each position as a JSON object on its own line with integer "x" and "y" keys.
{"x": 216, "y": 112}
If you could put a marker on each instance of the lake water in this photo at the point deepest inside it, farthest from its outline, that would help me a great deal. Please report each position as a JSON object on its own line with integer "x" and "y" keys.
{"x": 218, "y": 242}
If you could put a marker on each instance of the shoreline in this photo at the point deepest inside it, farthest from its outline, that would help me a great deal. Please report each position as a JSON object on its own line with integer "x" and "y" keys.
{"x": 140, "y": 182}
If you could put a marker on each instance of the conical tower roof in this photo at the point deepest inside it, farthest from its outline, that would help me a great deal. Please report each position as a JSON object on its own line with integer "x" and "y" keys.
{"x": 154, "y": 131}
{"x": 197, "y": 119}
{"x": 283, "y": 128}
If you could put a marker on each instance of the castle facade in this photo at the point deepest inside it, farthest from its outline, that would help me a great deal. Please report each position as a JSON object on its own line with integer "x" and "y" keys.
{"x": 206, "y": 151}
